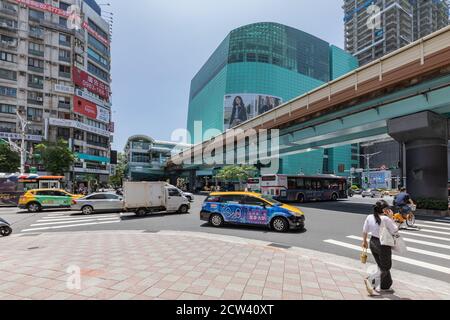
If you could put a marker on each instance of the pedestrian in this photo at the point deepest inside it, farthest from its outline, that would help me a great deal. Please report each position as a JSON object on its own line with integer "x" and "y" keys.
{"x": 382, "y": 217}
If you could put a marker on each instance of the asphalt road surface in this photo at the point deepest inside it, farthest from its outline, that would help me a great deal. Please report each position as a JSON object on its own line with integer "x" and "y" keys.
{"x": 332, "y": 227}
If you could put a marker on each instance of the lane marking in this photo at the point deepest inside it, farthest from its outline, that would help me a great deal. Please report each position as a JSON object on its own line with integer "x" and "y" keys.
{"x": 70, "y": 226}
{"x": 434, "y": 231}
{"x": 436, "y": 223}
{"x": 73, "y": 221}
{"x": 424, "y": 236}
{"x": 433, "y": 227}
{"x": 416, "y": 250}
{"x": 443, "y": 221}
{"x": 79, "y": 218}
{"x": 413, "y": 262}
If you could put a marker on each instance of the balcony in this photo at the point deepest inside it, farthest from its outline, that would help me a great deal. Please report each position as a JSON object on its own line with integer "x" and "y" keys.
{"x": 4, "y": 26}
{"x": 65, "y": 75}
{"x": 35, "y": 69}
{"x": 8, "y": 8}
{"x": 37, "y": 34}
{"x": 36, "y": 53}
{"x": 63, "y": 105}
{"x": 98, "y": 144}
{"x": 65, "y": 43}
{"x": 37, "y": 101}
{"x": 65, "y": 59}
{"x": 36, "y": 85}
{"x": 10, "y": 45}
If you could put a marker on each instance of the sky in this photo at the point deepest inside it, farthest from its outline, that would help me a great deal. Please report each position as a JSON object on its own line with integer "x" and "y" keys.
{"x": 159, "y": 45}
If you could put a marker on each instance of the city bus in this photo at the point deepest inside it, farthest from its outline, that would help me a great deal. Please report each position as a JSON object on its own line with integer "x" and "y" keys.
{"x": 254, "y": 185}
{"x": 302, "y": 188}
{"x": 13, "y": 186}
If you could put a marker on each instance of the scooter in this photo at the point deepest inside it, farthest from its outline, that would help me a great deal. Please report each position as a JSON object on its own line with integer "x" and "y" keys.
{"x": 5, "y": 228}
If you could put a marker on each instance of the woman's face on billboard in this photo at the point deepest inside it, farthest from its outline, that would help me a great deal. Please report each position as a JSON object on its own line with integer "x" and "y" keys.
{"x": 238, "y": 101}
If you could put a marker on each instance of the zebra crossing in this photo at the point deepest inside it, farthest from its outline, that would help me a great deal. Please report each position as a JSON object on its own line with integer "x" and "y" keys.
{"x": 428, "y": 246}
{"x": 58, "y": 221}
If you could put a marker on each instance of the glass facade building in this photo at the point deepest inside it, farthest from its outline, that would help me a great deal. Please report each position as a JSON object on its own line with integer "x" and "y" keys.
{"x": 265, "y": 59}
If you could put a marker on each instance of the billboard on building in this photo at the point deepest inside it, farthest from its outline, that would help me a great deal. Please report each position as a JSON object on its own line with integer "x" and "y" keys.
{"x": 91, "y": 110}
{"x": 377, "y": 180}
{"x": 85, "y": 80}
{"x": 239, "y": 108}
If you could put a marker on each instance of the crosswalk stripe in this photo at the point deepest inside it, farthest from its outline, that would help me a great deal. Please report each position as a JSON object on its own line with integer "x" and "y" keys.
{"x": 72, "y": 221}
{"x": 75, "y": 217}
{"x": 433, "y": 227}
{"x": 443, "y": 221}
{"x": 78, "y": 218}
{"x": 436, "y": 223}
{"x": 69, "y": 226}
{"x": 434, "y": 231}
{"x": 413, "y": 262}
{"x": 416, "y": 250}
{"x": 415, "y": 234}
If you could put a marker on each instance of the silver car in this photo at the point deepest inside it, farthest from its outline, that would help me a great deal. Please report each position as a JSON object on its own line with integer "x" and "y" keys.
{"x": 99, "y": 202}
{"x": 372, "y": 193}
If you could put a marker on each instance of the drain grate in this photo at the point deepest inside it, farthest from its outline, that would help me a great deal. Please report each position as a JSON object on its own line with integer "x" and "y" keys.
{"x": 279, "y": 246}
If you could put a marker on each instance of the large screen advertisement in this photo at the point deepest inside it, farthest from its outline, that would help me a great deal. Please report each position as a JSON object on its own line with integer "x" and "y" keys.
{"x": 239, "y": 108}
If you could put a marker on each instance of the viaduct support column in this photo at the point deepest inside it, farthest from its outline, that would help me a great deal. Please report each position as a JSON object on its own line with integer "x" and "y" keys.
{"x": 425, "y": 136}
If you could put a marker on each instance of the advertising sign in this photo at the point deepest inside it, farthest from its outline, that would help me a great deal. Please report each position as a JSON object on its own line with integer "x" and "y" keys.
{"x": 18, "y": 136}
{"x": 90, "y": 97}
{"x": 84, "y": 80}
{"x": 64, "y": 89}
{"x": 91, "y": 110}
{"x": 239, "y": 108}
{"x": 77, "y": 125}
{"x": 378, "y": 180}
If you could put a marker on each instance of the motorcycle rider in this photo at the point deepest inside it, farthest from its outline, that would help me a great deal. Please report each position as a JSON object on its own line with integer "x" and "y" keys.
{"x": 404, "y": 202}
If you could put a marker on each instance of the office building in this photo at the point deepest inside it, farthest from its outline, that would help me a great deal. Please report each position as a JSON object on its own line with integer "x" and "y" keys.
{"x": 261, "y": 66}
{"x": 55, "y": 71}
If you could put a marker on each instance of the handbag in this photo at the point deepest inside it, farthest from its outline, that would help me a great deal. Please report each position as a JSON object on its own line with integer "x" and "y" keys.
{"x": 364, "y": 256}
{"x": 400, "y": 245}
{"x": 386, "y": 238}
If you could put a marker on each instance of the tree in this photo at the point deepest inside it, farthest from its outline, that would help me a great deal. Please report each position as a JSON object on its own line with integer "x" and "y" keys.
{"x": 56, "y": 157}
{"x": 117, "y": 179}
{"x": 236, "y": 173}
{"x": 9, "y": 160}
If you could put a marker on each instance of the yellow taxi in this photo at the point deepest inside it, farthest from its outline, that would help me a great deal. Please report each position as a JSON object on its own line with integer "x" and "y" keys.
{"x": 39, "y": 199}
{"x": 248, "y": 208}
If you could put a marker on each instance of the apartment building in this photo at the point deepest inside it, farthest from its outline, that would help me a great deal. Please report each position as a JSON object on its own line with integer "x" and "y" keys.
{"x": 55, "y": 71}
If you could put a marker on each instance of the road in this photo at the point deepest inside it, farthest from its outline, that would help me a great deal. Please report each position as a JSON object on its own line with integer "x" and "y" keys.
{"x": 332, "y": 227}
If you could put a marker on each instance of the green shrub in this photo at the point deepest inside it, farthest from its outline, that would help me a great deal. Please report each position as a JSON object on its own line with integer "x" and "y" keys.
{"x": 432, "y": 204}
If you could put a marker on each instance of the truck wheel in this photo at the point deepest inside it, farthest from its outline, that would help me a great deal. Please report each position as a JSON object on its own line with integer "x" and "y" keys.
{"x": 141, "y": 212}
{"x": 184, "y": 209}
{"x": 34, "y": 207}
{"x": 216, "y": 220}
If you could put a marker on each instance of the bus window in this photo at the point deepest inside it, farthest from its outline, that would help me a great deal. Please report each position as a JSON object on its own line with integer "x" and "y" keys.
{"x": 326, "y": 184}
{"x": 292, "y": 183}
{"x": 308, "y": 184}
{"x": 300, "y": 183}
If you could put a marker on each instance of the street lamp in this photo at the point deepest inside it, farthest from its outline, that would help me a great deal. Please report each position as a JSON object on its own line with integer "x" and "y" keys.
{"x": 368, "y": 157}
{"x": 22, "y": 150}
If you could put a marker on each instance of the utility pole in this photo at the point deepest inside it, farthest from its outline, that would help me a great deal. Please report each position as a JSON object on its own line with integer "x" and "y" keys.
{"x": 368, "y": 157}
{"x": 22, "y": 149}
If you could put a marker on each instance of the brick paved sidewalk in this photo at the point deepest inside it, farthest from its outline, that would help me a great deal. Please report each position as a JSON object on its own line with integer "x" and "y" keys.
{"x": 174, "y": 265}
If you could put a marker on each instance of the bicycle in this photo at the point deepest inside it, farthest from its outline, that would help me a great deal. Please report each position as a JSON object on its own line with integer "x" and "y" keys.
{"x": 410, "y": 218}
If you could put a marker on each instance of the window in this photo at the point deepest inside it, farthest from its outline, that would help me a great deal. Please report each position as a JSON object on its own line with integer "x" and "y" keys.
{"x": 97, "y": 197}
{"x": 36, "y": 48}
{"x": 97, "y": 29}
{"x": 34, "y": 114}
{"x": 213, "y": 199}
{"x": 96, "y": 124}
{"x": 7, "y": 127}
{"x": 64, "y": 6}
{"x": 8, "y": 23}
{"x": 64, "y": 39}
{"x": 62, "y": 22}
{"x": 140, "y": 157}
{"x": 8, "y": 41}
{"x": 252, "y": 201}
{"x": 64, "y": 55}
{"x": 36, "y": 65}
{"x": 110, "y": 196}
{"x": 64, "y": 102}
{"x": 8, "y": 92}
{"x": 98, "y": 58}
{"x": 64, "y": 71}
{"x": 233, "y": 199}
{"x": 8, "y": 57}
{"x": 8, "y": 74}
{"x": 64, "y": 133}
{"x": 35, "y": 81}
{"x": 98, "y": 72}
{"x": 174, "y": 193}
{"x": 36, "y": 15}
{"x": 36, "y": 32}
{"x": 98, "y": 45}
{"x": 7, "y": 108}
{"x": 35, "y": 97}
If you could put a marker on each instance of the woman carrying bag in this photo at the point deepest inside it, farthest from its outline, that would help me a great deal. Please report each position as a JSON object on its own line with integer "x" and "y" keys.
{"x": 380, "y": 225}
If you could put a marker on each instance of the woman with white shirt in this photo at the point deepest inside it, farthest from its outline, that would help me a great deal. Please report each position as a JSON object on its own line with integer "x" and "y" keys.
{"x": 382, "y": 254}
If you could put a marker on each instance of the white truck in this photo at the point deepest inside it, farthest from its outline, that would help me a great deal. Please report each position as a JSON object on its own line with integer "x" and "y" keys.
{"x": 149, "y": 197}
